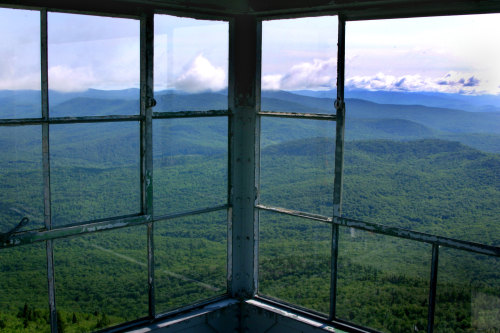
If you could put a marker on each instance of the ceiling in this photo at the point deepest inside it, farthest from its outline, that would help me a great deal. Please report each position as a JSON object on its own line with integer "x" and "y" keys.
{"x": 350, "y": 9}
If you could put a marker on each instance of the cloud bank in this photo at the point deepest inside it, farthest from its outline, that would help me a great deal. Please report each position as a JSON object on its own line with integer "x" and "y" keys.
{"x": 321, "y": 74}
{"x": 451, "y": 82}
{"x": 200, "y": 75}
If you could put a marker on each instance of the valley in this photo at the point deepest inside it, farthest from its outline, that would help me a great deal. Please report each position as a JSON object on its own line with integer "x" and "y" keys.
{"x": 426, "y": 168}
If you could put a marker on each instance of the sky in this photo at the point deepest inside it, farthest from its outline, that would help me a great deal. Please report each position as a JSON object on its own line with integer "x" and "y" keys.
{"x": 454, "y": 54}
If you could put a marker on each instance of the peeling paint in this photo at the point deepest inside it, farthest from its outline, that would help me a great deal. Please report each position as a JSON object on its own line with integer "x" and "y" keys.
{"x": 393, "y": 231}
{"x": 191, "y": 114}
{"x": 317, "y": 116}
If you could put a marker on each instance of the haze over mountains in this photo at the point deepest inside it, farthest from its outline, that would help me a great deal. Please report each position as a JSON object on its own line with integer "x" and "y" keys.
{"x": 472, "y": 120}
{"x": 472, "y": 103}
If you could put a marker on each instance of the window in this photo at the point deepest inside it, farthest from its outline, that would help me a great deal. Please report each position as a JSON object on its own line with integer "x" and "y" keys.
{"x": 80, "y": 160}
{"x": 297, "y": 146}
{"x": 190, "y": 157}
{"x": 145, "y": 173}
{"x": 420, "y": 154}
{"x": 417, "y": 103}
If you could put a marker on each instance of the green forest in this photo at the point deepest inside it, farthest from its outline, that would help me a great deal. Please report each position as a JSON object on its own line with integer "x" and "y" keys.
{"x": 427, "y": 169}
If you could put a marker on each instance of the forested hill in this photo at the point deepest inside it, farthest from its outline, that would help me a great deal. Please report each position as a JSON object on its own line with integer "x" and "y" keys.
{"x": 423, "y": 168}
{"x": 428, "y": 185}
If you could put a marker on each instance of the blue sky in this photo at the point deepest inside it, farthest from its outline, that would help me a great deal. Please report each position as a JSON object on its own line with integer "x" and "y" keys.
{"x": 455, "y": 54}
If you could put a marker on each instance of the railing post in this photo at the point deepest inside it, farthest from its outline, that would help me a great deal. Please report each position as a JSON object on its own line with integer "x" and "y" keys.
{"x": 432, "y": 289}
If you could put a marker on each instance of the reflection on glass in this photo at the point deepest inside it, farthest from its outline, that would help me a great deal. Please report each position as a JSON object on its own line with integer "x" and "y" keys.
{"x": 190, "y": 159}
{"x": 20, "y": 68}
{"x": 383, "y": 282}
{"x": 299, "y": 64}
{"x": 423, "y": 127}
{"x": 21, "y": 182}
{"x": 94, "y": 171}
{"x": 191, "y": 64}
{"x": 468, "y": 292}
{"x": 23, "y": 289}
{"x": 190, "y": 259}
{"x": 294, "y": 260}
{"x": 101, "y": 279}
{"x": 93, "y": 65}
{"x": 297, "y": 164}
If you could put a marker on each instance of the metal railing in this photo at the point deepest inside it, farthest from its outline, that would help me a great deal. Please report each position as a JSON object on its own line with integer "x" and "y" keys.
{"x": 434, "y": 240}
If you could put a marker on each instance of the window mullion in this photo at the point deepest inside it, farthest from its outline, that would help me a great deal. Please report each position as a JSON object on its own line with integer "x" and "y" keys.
{"x": 46, "y": 168}
{"x": 147, "y": 102}
{"x": 339, "y": 164}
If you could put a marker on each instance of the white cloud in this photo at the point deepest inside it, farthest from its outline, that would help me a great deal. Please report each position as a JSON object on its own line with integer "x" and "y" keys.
{"x": 25, "y": 81}
{"x": 96, "y": 64}
{"x": 318, "y": 74}
{"x": 200, "y": 75}
{"x": 65, "y": 79}
{"x": 271, "y": 82}
{"x": 451, "y": 82}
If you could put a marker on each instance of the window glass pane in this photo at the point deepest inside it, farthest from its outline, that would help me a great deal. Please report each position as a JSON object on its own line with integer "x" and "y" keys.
{"x": 20, "y": 64}
{"x": 468, "y": 292}
{"x": 190, "y": 159}
{"x": 21, "y": 180}
{"x": 101, "y": 279}
{"x": 191, "y": 64}
{"x": 95, "y": 171}
{"x": 294, "y": 260}
{"x": 23, "y": 289}
{"x": 299, "y": 64}
{"x": 93, "y": 65}
{"x": 383, "y": 282}
{"x": 297, "y": 164}
{"x": 423, "y": 125}
{"x": 190, "y": 259}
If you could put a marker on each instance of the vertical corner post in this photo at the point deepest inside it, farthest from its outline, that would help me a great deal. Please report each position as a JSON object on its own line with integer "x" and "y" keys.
{"x": 339, "y": 164}
{"x": 146, "y": 144}
{"x": 245, "y": 35}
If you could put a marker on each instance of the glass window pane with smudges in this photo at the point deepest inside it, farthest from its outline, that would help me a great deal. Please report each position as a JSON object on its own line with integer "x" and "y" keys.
{"x": 20, "y": 73}
{"x": 94, "y": 66}
{"x": 101, "y": 279}
{"x": 95, "y": 171}
{"x": 190, "y": 259}
{"x": 294, "y": 260}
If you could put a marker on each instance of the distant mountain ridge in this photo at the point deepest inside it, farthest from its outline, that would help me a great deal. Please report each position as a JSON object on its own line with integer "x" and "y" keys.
{"x": 365, "y": 119}
{"x": 317, "y": 99}
{"x": 472, "y": 103}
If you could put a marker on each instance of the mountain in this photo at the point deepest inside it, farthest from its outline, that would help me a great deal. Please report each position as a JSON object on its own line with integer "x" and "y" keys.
{"x": 57, "y": 97}
{"x": 473, "y": 103}
{"x": 172, "y": 102}
{"x": 448, "y": 120}
{"x": 322, "y": 104}
{"x": 20, "y": 104}
{"x": 396, "y": 129}
{"x": 365, "y": 119}
{"x": 87, "y": 106}
{"x": 403, "y": 167}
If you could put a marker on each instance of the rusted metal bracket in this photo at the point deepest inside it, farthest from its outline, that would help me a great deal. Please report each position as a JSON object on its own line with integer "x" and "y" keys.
{"x": 5, "y": 237}
{"x": 150, "y": 102}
